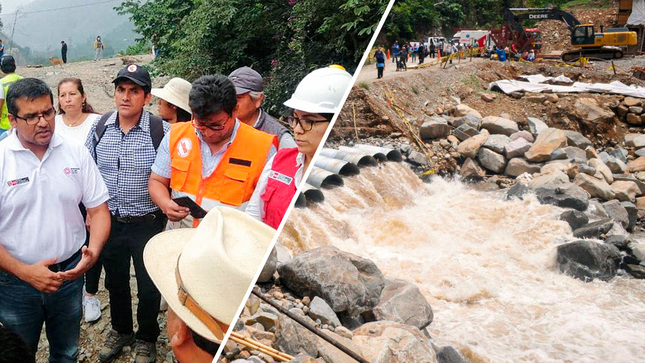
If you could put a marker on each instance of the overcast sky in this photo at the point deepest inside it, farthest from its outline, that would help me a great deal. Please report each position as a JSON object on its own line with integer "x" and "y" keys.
{"x": 9, "y": 6}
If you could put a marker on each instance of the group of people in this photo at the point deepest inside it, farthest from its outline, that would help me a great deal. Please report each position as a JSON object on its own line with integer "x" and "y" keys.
{"x": 98, "y": 49}
{"x": 81, "y": 192}
{"x": 503, "y": 54}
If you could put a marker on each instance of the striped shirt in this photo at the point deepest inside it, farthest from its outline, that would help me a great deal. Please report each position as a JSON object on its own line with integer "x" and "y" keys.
{"x": 124, "y": 161}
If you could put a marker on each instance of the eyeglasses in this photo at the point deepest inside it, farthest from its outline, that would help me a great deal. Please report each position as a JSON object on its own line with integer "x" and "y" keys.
{"x": 305, "y": 124}
{"x": 216, "y": 127}
{"x": 32, "y": 119}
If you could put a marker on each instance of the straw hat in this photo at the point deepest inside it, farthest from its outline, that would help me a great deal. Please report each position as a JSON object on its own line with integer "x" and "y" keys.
{"x": 216, "y": 261}
{"x": 175, "y": 92}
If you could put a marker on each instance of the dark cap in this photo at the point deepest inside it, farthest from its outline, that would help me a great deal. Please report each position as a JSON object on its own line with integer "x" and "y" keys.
{"x": 246, "y": 80}
{"x": 136, "y": 74}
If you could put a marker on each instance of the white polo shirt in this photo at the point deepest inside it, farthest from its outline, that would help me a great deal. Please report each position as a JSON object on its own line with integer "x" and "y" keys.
{"x": 39, "y": 214}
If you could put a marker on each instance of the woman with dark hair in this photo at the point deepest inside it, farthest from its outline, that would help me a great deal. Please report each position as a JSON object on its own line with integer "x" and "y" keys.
{"x": 75, "y": 115}
{"x": 173, "y": 101}
{"x": 74, "y": 121}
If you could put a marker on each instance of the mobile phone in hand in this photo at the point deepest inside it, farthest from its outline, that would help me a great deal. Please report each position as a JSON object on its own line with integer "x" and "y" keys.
{"x": 195, "y": 210}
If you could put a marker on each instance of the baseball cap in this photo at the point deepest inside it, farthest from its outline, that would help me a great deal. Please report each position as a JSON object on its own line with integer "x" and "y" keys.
{"x": 136, "y": 74}
{"x": 246, "y": 80}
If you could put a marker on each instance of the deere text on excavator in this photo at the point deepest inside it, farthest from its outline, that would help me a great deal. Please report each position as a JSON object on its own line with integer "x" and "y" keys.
{"x": 608, "y": 44}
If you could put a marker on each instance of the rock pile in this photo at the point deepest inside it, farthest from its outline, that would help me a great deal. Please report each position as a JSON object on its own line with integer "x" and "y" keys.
{"x": 347, "y": 298}
{"x": 604, "y": 190}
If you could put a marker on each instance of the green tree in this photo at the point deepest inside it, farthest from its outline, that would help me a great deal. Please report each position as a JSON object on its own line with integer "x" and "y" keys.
{"x": 281, "y": 39}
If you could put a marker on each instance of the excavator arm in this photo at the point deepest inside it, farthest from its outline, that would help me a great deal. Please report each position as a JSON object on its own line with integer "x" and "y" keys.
{"x": 514, "y": 16}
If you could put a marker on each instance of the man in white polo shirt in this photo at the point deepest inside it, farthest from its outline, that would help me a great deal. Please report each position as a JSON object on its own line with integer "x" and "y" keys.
{"x": 43, "y": 179}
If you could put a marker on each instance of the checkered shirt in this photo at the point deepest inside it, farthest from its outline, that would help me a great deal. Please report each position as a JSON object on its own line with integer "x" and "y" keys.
{"x": 124, "y": 161}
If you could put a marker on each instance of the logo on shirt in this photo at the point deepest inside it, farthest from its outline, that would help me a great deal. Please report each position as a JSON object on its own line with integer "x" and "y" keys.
{"x": 280, "y": 177}
{"x": 13, "y": 183}
{"x": 184, "y": 146}
{"x": 70, "y": 171}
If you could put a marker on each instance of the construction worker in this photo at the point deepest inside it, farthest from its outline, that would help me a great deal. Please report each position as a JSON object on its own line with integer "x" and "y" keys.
{"x": 250, "y": 95}
{"x": 8, "y": 67}
{"x": 316, "y": 99}
{"x": 214, "y": 160}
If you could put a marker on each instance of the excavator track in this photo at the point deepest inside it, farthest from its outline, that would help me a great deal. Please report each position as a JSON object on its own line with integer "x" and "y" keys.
{"x": 606, "y": 53}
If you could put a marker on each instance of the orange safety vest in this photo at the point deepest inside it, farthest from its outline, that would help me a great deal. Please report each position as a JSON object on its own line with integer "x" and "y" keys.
{"x": 233, "y": 180}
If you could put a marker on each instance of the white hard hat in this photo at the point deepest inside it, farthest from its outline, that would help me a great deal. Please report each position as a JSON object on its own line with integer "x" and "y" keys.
{"x": 321, "y": 91}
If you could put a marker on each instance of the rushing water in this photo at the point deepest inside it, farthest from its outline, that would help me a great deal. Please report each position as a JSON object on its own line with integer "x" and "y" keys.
{"x": 486, "y": 266}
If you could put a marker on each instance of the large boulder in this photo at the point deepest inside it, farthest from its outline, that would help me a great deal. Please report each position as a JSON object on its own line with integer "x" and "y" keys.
{"x": 595, "y": 187}
{"x": 470, "y": 170}
{"x": 589, "y": 110}
{"x": 551, "y": 180}
{"x": 293, "y": 338}
{"x": 524, "y": 135}
{"x": 518, "y": 166}
{"x": 575, "y": 154}
{"x": 536, "y": 125}
{"x": 575, "y": 218}
{"x": 602, "y": 169}
{"x": 470, "y": 120}
{"x": 270, "y": 267}
{"x": 402, "y": 302}
{"x": 632, "y": 213}
{"x": 630, "y": 140}
{"x": 491, "y": 160}
{"x": 636, "y": 165}
{"x": 616, "y": 165}
{"x": 617, "y": 212}
{"x": 594, "y": 229}
{"x": 390, "y": 342}
{"x": 470, "y": 147}
{"x": 516, "y": 148}
{"x": 587, "y": 260}
{"x": 497, "y": 143}
{"x": 565, "y": 196}
{"x": 448, "y": 354}
{"x": 463, "y": 132}
{"x": 463, "y": 110}
{"x": 499, "y": 125}
{"x": 434, "y": 128}
{"x": 331, "y": 354}
{"x": 576, "y": 139}
{"x": 546, "y": 142}
{"x": 320, "y": 310}
{"x": 347, "y": 282}
{"x": 625, "y": 190}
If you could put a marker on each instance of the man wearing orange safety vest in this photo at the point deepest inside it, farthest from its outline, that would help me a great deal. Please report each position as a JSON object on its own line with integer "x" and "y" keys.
{"x": 214, "y": 160}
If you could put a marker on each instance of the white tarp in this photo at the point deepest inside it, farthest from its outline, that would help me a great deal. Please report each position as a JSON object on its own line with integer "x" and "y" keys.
{"x": 538, "y": 78}
{"x": 508, "y": 86}
{"x": 637, "y": 16}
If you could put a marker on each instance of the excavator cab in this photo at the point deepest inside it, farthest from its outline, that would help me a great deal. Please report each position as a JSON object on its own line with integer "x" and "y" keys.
{"x": 583, "y": 35}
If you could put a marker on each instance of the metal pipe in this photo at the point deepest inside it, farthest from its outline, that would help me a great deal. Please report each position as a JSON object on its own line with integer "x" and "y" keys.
{"x": 392, "y": 154}
{"x": 312, "y": 194}
{"x": 341, "y": 167}
{"x": 257, "y": 292}
{"x": 321, "y": 178}
{"x": 356, "y": 158}
{"x": 380, "y": 157}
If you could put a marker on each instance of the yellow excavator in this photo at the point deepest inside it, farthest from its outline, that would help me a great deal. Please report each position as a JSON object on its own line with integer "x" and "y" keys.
{"x": 608, "y": 44}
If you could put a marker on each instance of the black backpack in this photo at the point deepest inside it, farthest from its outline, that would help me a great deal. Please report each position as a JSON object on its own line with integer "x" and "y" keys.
{"x": 156, "y": 129}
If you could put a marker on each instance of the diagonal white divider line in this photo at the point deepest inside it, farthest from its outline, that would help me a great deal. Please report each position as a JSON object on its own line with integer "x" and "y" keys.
{"x": 304, "y": 178}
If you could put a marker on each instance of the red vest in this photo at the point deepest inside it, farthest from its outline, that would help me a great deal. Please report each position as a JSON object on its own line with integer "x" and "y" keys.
{"x": 281, "y": 186}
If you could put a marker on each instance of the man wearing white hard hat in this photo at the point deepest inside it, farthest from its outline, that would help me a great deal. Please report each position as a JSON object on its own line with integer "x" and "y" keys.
{"x": 316, "y": 99}
{"x": 173, "y": 101}
{"x": 204, "y": 273}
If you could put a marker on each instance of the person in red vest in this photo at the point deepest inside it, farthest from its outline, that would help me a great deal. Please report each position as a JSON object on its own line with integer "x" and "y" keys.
{"x": 215, "y": 159}
{"x": 317, "y": 98}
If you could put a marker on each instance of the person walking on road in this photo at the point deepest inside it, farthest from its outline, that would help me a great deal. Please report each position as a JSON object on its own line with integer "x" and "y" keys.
{"x": 42, "y": 252}
{"x": 98, "y": 48}
{"x": 380, "y": 62}
{"x": 395, "y": 51}
{"x": 63, "y": 51}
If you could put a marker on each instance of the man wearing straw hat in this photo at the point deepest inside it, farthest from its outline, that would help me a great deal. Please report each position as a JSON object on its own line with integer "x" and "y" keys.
{"x": 204, "y": 273}
{"x": 214, "y": 160}
{"x": 250, "y": 95}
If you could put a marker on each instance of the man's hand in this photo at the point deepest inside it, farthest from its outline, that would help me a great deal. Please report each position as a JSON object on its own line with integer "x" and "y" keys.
{"x": 88, "y": 259}
{"x": 41, "y": 278}
{"x": 174, "y": 211}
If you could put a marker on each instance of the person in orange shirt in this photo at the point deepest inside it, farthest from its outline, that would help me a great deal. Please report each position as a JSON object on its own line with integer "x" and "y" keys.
{"x": 214, "y": 159}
